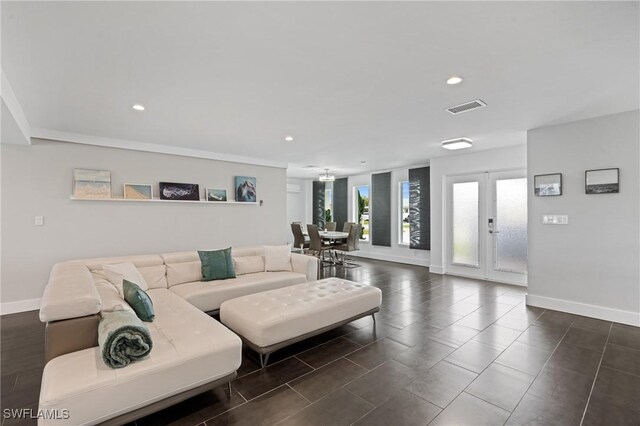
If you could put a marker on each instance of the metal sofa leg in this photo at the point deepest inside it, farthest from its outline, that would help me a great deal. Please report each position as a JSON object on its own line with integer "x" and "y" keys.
{"x": 264, "y": 359}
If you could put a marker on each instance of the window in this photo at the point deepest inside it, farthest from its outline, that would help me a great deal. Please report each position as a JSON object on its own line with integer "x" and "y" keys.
{"x": 362, "y": 209}
{"x": 328, "y": 202}
{"x": 404, "y": 231}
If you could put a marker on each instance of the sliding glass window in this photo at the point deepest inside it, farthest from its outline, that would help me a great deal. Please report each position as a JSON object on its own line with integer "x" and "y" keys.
{"x": 403, "y": 216}
{"x": 361, "y": 209}
{"x": 328, "y": 202}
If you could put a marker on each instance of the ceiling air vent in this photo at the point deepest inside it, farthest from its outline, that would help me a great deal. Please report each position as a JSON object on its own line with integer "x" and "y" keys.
{"x": 467, "y": 106}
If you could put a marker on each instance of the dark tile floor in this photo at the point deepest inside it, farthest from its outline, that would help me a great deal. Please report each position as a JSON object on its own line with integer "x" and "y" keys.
{"x": 444, "y": 350}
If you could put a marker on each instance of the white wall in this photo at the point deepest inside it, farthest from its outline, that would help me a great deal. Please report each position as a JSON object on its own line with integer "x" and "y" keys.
{"x": 299, "y": 203}
{"x": 589, "y": 266}
{"x": 397, "y": 252}
{"x": 36, "y": 180}
{"x": 441, "y": 167}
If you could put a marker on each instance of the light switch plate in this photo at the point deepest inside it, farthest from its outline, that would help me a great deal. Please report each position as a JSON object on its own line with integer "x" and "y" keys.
{"x": 555, "y": 219}
{"x": 39, "y": 221}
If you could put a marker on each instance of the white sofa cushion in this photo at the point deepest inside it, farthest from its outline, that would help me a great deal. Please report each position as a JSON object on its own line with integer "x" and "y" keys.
{"x": 189, "y": 350}
{"x": 208, "y": 296}
{"x": 248, "y": 264}
{"x": 155, "y": 276}
{"x": 182, "y": 267}
{"x": 70, "y": 293}
{"x": 304, "y": 264}
{"x": 118, "y": 272}
{"x": 279, "y": 315}
{"x": 277, "y": 258}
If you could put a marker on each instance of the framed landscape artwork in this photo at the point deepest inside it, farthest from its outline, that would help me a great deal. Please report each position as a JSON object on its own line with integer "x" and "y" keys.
{"x": 245, "y": 188}
{"x": 602, "y": 181}
{"x": 548, "y": 185}
{"x": 179, "y": 191}
{"x": 138, "y": 191}
{"x": 215, "y": 194}
{"x": 91, "y": 184}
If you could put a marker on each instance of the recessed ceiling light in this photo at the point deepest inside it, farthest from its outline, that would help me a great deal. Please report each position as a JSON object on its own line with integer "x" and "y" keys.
{"x": 288, "y": 138}
{"x": 138, "y": 107}
{"x": 458, "y": 143}
{"x": 454, "y": 80}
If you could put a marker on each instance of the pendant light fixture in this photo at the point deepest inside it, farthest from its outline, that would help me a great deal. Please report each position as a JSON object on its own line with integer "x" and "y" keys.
{"x": 326, "y": 176}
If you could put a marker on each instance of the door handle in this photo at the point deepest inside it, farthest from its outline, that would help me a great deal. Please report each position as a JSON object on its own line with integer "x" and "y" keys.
{"x": 491, "y": 231}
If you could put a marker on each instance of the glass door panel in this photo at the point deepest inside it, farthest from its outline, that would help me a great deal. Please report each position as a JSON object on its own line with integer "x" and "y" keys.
{"x": 466, "y": 236}
{"x": 510, "y": 239}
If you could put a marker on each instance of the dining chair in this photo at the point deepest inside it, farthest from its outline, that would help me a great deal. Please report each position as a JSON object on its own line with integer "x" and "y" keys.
{"x": 298, "y": 237}
{"x": 304, "y": 230}
{"x": 330, "y": 226}
{"x": 347, "y": 226}
{"x": 316, "y": 245}
{"x": 352, "y": 243}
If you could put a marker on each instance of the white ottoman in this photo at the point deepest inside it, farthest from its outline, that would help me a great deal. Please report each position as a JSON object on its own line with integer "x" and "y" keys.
{"x": 273, "y": 319}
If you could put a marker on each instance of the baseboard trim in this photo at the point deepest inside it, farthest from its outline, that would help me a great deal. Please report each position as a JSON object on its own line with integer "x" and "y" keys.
{"x": 491, "y": 280}
{"x": 436, "y": 269}
{"x": 392, "y": 258}
{"x": 584, "y": 309}
{"x": 7, "y": 308}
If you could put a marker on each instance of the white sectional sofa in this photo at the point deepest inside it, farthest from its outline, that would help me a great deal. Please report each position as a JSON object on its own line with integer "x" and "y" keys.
{"x": 192, "y": 352}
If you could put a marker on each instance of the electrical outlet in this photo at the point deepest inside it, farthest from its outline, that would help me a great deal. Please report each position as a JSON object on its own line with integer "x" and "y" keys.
{"x": 555, "y": 219}
{"x": 39, "y": 221}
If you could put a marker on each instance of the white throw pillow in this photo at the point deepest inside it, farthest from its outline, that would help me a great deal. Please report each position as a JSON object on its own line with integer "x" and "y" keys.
{"x": 110, "y": 298}
{"x": 117, "y": 272}
{"x": 277, "y": 258}
{"x": 248, "y": 264}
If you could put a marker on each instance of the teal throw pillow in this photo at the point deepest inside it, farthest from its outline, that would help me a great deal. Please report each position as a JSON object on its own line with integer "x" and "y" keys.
{"x": 217, "y": 265}
{"x": 139, "y": 301}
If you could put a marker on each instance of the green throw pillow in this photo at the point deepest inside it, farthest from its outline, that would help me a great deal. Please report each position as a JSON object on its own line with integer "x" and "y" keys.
{"x": 139, "y": 300}
{"x": 217, "y": 265}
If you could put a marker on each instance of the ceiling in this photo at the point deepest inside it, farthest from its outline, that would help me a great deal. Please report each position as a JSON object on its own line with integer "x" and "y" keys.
{"x": 351, "y": 81}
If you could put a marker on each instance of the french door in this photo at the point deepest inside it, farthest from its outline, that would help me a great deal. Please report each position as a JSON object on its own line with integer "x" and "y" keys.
{"x": 486, "y": 223}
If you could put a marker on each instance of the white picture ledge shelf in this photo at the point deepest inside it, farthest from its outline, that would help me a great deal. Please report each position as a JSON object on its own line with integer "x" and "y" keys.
{"x": 157, "y": 200}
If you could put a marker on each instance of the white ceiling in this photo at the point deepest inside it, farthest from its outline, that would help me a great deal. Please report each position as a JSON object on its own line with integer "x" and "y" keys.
{"x": 351, "y": 81}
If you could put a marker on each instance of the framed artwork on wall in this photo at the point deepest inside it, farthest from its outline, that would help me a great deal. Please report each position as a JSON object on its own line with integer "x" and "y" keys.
{"x": 138, "y": 191}
{"x": 216, "y": 194}
{"x": 549, "y": 185}
{"x": 91, "y": 184}
{"x": 245, "y": 188}
{"x": 179, "y": 191}
{"x": 602, "y": 181}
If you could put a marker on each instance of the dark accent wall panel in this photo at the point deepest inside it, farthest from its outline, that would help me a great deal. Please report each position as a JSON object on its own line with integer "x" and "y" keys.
{"x": 318, "y": 204}
{"x": 340, "y": 202}
{"x": 420, "y": 208}
{"x": 380, "y": 212}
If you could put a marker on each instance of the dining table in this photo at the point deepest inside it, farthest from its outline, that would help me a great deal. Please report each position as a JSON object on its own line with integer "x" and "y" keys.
{"x": 333, "y": 235}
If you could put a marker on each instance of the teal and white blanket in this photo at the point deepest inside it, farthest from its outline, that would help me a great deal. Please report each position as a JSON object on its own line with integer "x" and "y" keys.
{"x": 123, "y": 338}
